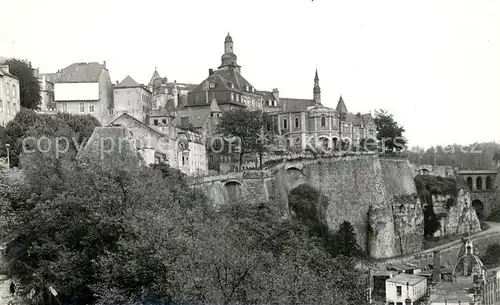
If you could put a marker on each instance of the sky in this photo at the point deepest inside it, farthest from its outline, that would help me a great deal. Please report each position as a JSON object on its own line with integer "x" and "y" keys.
{"x": 433, "y": 64}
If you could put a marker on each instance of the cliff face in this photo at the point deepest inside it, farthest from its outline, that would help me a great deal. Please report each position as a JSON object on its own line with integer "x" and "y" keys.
{"x": 457, "y": 216}
{"x": 374, "y": 195}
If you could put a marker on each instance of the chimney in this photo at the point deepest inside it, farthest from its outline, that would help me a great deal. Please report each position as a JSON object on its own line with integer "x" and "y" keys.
{"x": 436, "y": 272}
{"x": 59, "y": 74}
{"x": 210, "y": 72}
{"x": 37, "y": 72}
{"x": 276, "y": 94}
{"x": 104, "y": 64}
{"x": 117, "y": 83}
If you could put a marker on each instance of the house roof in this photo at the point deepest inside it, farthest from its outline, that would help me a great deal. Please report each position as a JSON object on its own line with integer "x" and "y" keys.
{"x": 294, "y": 104}
{"x": 128, "y": 82}
{"x": 341, "y": 106}
{"x": 79, "y": 73}
{"x": 223, "y": 78}
{"x": 128, "y": 116}
{"x": 5, "y": 73}
{"x": 267, "y": 95}
{"x": 404, "y": 278}
{"x": 214, "y": 107}
{"x": 153, "y": 77}
{"x": 197, "y": 115}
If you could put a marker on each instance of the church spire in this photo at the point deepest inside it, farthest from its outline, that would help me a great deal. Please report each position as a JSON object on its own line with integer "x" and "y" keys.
{"x": 316, "y": 89}
{"x": 229, "y": 59}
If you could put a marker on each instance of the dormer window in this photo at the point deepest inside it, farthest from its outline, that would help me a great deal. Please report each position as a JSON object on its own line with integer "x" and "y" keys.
{"x": 232, "y": 96}
{"x": 237, "y": 97}
{"x": 230, "y": 85}
{"x": 212, "y": 85}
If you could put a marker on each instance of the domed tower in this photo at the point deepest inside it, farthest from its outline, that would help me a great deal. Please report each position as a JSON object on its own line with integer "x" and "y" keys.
{"x": 316, "y": 90}
{"x": 229, "y": 59}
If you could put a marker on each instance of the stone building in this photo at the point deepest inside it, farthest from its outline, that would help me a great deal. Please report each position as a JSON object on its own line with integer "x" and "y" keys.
{"x": 168, "y": 95}
{"x": 10, "y": 102}
{"x": 84, "y": 88}
{"x": 405, "y": 289}
{"x": 132, "y": 98}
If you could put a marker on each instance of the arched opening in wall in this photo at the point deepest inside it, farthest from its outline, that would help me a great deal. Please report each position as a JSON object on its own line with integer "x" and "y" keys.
{"x": 479, "y": 208}
{"x": 425, "y": 171}
{"x": 489, "y": 186}
{"x": 335, "y": 142}
{"x": 469, "y": 183}
{"x": 294, "y": 175}
{"x": 479, "y": 183}
{"x": 233, "y": 190}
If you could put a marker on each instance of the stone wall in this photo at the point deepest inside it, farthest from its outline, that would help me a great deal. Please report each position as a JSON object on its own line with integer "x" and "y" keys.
{"x": 361, "y": 189}
{"x": 457, "y": 216}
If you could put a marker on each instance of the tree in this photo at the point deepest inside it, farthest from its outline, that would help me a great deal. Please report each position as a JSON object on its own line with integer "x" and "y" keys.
{"x": 491, "y": 259}
{"x": 346, "y": 240}
{"x": 245, "y": 125}
{"x": 29, "y": 85}
{"x": 389, "y": 133}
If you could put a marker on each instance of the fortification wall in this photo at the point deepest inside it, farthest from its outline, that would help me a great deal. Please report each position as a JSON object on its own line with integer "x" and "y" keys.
{"x": 361, "y": 189}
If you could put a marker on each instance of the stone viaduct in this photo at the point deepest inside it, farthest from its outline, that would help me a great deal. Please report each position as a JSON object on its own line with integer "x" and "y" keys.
{"x": 484, "y": 186}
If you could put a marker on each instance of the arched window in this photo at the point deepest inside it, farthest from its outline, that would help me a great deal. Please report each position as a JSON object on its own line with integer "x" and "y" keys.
{"x": 1, "y": 106}
{"x": 469, "y": 182}
{"x": 323, "y": 121}
{"x": 488, "y": 183}
{"x": 232, "y": 96}
{"x": 296, "y": 122}
{"x": 285, "y": 123}
{"x": 479, "y": 183}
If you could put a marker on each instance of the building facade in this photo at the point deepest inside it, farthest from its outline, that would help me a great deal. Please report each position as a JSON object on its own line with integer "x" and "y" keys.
{"x": 405, "y": 289}
{"x": 84, "y": 88}
{"x": 132, "y": 98}
{"x": 47, "y": 102}
{"x": 168, "y": 95}
{"x": 10, "y": 101}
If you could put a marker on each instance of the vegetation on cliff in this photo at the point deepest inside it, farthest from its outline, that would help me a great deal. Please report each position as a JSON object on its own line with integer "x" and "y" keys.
{"x": 29, "y": 85}
{"x": 309, "y": 207}
{"x": 389, "y": 132}
{"x": 490, "y": 258}
{"x": 119, "y": 233}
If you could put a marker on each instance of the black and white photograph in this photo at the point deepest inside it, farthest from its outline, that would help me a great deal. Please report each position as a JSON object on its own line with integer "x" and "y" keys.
{"x": 229, "y": 152}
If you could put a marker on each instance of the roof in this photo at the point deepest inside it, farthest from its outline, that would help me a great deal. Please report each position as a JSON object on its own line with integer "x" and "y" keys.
{"x": 197, "y": 116}
{"x": 228, "y": 38}
{"x": 153, "y": 77}
{"x": 128, "y": 82}
{"x": 267, "y": 95}
{"x": 5, "y": 73}
{"x": 80, "y": 73}
{"x": 161, "y": 113}
{"x": 341, "y": 106}
{"x": 223, "y": 78}
{"x": 291, "y": 104}
{"x": 214, "y": 107}
{"x": 128, "y": 116}
{"x": 404, "y": 278}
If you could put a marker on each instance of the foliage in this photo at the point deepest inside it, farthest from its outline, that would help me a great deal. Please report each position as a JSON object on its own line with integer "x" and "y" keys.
{"x": 491, "y": 259}
{"x": 29, "y": 85}
{"x": 247, "y": 126}
{"x": 77, "y": 129}
{"x": 389, "y": 133}
{"x": 436, "y": 185}
{"x": 91, "y": 231}
{"x": 309, "y": 206}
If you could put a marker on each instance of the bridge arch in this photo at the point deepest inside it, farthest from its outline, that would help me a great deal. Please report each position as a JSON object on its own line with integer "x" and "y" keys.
{"x": 479, "y": 183}
{"x": 489, "y": 185}
{"x": 479, "y": 208}
{"x": 234, "y": 190}
{"x": 294, "y": 177}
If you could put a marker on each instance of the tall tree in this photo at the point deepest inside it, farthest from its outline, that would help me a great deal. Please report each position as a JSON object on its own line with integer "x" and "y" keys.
{"x": 245, "y": 125}
{"x": 346, "y": 240}
{"x": 29, "y": 85}
{"x": 389, "y": 133}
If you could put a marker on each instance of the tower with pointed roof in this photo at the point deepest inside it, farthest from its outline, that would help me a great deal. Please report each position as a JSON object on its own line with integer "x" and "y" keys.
{"x": 316, "y": 90}
{"x": 229, "y": 59}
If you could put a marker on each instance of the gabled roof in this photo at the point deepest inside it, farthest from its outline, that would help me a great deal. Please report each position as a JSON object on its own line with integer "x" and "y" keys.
{"x": 128, "y": 82}
{"x": 214, "y": 107}
{"x": 129, "y": 117}
{"x": 80, "y": 73}
{"x": 222, "y": 78}
{"x": 153, "y": 77}
{"x": 5, "y": 73}
{"x": 341, "y": 106}
{"x": 295, "y": 104}
{"x": 197, "y": 115}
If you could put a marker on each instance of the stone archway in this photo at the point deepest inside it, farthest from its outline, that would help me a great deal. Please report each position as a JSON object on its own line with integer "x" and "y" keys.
{"x": 233, "y": 190}
{"x": 469, "y": 183}
{"x": 335, "y": 142}
{"x": 479, "y": 208}
{"x": 294, "y": 177}
{"x": 324, "y": 143}
{"x": 489, "y": 185}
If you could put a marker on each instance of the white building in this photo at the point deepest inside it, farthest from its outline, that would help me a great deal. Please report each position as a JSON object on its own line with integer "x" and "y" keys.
{"x": 405, "y": 286}
{"x": 10, "y": 102}
{"x": 84, "y": 88}
{"x": 133, "y": 98}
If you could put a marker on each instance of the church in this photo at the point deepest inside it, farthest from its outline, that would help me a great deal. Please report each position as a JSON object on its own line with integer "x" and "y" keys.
{"x": 302, "y": 123}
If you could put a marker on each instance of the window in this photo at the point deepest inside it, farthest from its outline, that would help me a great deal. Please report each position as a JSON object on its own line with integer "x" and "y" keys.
{"x": 82, "y": 107}
{"x": 65, "y": 107}
{"x": 7, "y": 87}
{"x": 164, "y": 121}
{"x": 232, "y": 96}
{"x": 212, "y": 85}
{"x": 154, "y": 103}
{"x": 1, "y": 106}
{"x": 155, "y": 122}
{"x": 185, "y": 121}
{"x": 398, "y": 291}
{"x": 237, "y": 98}
{"x": 323, "y": 121}
{"x": 110, "y": 110}
{"x": 296, "y": 122}
{"x": 8, "y": 107}
{"x": 91, "y": 108}
{"x": 14, "y": 91}
{"x": 285, "y": 123}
